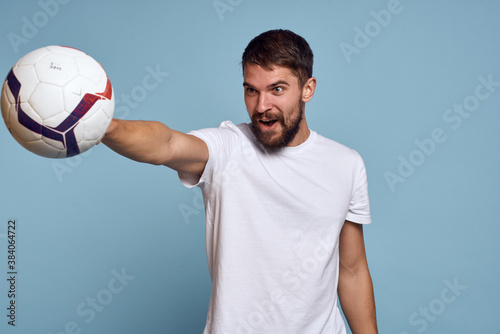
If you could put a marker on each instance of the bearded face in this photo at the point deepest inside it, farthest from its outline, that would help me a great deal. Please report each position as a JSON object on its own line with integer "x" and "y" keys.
{"x": 275, "y": 102}
{"x": 275, "y": 131}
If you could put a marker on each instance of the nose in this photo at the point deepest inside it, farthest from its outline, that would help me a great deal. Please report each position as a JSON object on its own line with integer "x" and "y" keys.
{"x": 263, "y": 103}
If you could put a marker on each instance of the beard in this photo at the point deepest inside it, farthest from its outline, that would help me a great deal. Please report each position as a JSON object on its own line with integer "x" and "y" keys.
{"x": 289, "y": 127}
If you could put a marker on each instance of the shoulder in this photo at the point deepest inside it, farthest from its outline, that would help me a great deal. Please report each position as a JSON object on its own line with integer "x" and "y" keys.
{"x": 225, "y": 133}
{"x": 336, "y": 149}
{"x": 225, "y": 140}
{"x": 224, "y": 128}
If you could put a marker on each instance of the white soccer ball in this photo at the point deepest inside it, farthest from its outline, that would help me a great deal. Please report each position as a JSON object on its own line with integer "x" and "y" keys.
{"x": 57, "y": 101}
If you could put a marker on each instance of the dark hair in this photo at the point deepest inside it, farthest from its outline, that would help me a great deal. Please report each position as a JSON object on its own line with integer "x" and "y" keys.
{"x": 283, "y": 48}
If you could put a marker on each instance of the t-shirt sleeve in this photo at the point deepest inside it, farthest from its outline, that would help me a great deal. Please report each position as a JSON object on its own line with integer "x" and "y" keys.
{"x": 359, "y": 208}
{"x": 220, "y": 142}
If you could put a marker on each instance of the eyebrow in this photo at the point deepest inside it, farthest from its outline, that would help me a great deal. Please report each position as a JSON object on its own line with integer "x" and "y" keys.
{"x": 274, "y": 84}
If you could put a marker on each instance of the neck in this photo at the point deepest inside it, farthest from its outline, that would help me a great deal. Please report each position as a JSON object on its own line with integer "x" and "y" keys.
{"x": 302, "y": 135}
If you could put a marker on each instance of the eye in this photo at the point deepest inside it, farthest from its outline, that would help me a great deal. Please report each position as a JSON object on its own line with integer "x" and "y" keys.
{"x": 278, "y": 89}
{"x": 250, "y": 90}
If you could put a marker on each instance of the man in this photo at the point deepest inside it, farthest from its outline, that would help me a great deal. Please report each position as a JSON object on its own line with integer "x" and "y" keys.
{"x": 284, "y": 205}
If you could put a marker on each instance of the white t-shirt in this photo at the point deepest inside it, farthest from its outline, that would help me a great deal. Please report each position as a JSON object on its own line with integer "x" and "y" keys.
{"x": 272, "y": 230}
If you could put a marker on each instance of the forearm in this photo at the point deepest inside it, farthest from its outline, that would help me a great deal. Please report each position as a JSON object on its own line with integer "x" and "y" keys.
{"x": 143, "y": 141}
{"x": 357, "y": 300}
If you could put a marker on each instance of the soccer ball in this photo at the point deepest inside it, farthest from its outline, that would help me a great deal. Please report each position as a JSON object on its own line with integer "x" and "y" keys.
{"x": 57, "y": 101}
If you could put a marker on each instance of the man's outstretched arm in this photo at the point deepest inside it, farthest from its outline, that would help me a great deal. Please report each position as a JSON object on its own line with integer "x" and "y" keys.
{"x": 155, "y": 143}
{"x": 355, "y": 287}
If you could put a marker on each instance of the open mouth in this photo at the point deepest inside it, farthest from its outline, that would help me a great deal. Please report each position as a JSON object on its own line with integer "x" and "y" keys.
{"x": 268, "y": 123}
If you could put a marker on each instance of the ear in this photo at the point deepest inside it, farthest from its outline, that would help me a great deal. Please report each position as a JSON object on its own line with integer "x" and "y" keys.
{"x": 308, "y": 89}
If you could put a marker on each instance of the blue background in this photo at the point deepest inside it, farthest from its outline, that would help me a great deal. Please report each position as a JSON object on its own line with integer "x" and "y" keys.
{"x": 85, "y": 219}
